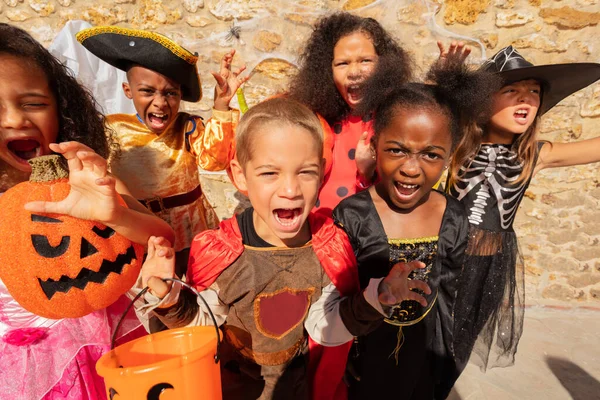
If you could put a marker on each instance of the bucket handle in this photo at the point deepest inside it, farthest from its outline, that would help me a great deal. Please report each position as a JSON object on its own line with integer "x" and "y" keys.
{"x": 188, "y": 286}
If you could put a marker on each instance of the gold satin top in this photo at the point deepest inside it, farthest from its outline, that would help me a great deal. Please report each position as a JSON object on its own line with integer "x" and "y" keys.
{"x": 165, "y": 165}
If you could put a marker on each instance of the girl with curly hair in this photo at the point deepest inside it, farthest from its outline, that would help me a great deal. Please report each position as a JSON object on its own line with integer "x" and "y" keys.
{"x": 401, "y": 219}
{"x": 44, "y": 110}
{"x": 338, "y": 57}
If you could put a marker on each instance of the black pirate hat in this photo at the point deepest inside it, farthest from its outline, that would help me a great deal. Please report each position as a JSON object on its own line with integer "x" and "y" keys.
{"x": 122, "y": 47}
{"x": 558, "y": 80}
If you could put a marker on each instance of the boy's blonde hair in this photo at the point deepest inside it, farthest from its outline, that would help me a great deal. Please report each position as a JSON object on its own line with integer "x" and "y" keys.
{"x": 276, "y": 110}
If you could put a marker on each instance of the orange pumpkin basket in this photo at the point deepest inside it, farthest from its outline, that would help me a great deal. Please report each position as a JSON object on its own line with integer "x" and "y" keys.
{"x": 174, "y": 364}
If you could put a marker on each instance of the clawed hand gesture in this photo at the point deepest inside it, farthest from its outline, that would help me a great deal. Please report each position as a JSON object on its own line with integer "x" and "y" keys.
{"x": 457, "y": 52}
{"x": 396, "y": 287}
{"x": 228, "y": 81}
{"x": 92, "y": 196}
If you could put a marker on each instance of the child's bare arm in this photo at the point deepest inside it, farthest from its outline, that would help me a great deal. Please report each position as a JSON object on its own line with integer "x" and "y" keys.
{"x": 93, "y": 196}
{"x": 567, "y": 154}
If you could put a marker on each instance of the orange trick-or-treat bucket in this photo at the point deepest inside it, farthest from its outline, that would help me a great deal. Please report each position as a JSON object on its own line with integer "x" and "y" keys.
{"x": 176, "y": 364}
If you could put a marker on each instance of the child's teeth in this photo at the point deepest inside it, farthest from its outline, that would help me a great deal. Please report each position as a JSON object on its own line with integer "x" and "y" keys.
{"x": 408, "y": 186}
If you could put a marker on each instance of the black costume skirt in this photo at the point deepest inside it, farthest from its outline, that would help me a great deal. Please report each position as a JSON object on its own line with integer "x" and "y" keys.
{"x": 490, "y": 301}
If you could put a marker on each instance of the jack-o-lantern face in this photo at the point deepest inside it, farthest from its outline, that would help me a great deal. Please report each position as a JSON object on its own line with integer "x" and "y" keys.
{"x": 57, "y": 266}
{"x": 153, "y": 394}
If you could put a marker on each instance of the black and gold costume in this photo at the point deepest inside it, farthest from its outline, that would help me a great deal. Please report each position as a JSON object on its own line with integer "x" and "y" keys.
{"x": 411, "y": 352}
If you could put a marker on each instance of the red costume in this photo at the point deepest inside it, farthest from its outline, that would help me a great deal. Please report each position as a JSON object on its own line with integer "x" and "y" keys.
{"x": 339, "y": 149}
{"x": 212, "y": 252}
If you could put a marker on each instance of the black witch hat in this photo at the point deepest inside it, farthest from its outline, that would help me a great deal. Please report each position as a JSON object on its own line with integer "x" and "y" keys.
{"x": 122, "y": 47}
{"x": 558, "y": 80}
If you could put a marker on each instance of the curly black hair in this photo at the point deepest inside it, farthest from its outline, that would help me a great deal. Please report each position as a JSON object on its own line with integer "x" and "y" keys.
{"x": 313, "y": 85}
{"x": 78, "y": 115}
{"x": 464, "y": 96}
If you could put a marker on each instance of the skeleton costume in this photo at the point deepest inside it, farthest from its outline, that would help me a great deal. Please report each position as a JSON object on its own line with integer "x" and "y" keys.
{"x": 490, "y": 303}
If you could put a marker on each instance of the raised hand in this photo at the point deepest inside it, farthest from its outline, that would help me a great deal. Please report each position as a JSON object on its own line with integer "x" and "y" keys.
{"x": 457, "y": 52}
{"x": 396, "y": 287}
{"x": 228, "y": 81}
{"x": 365, "y": 157}
{"x": 159, "y": 264}
{"x": 93, "y": 195}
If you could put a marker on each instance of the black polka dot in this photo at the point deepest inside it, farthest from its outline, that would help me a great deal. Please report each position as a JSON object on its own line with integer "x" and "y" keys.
{"x": 367, "y": 117}
{"x": 318, "y": 204}
{"x": 337, "y": 128}
{"x": 342, "y": 191}
{"x": 352, "y": 154}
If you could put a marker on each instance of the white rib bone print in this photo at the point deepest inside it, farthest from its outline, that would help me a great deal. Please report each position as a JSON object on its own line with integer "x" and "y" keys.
{"x": 492, "y": 172}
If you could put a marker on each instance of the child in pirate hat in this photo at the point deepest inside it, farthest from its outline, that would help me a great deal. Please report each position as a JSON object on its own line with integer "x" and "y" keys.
{"x": 490, "y": 180}
{"x": 162, "y": 147}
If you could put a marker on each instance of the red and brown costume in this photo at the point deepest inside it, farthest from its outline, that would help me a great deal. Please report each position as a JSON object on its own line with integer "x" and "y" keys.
{"x": 269, "y": 292}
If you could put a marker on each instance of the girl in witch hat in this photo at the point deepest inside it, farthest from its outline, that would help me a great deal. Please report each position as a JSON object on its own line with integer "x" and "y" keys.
{"x": 489, "y": 175}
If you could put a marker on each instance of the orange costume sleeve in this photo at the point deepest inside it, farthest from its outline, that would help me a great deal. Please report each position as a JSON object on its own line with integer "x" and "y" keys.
{"x": 213, "y": 143}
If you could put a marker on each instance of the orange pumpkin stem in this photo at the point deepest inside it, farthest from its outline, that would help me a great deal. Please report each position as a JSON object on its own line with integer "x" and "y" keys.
{"x": 48, "y": 168}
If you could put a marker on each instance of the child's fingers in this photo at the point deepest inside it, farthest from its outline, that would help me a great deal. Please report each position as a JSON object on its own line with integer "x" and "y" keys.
{"x": 240, "y": 70}
{"x": 416, "y": 297}
{"x": 159, "y": 287}
{"x": 106, "y": 181}
{"x": 388, "y": 299}
{"x": 166, "y": 252}
{"x": 161, "y": 241}
{"x": 151, "y": 247}
{"x": 441, "y": 47}
{"x": 364, "y": 138}
{"x": 46, "y": 207}
{"x": 418, "y": 284}
{"x": 221, "y": 81}
{"x": 405, "y": 268}
{"x": 93, "y": 162}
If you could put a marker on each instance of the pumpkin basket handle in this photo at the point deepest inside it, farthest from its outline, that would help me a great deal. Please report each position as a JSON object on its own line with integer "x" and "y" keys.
{"x": 186, "y": 285}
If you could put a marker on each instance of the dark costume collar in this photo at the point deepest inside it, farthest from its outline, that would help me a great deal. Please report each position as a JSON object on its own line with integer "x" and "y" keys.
{"x": 122, "y": 47}
{"x": 558, "y": 80}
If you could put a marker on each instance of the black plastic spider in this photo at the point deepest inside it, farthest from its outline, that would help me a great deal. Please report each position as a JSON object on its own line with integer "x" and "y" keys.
{"x": 234, "y": 32}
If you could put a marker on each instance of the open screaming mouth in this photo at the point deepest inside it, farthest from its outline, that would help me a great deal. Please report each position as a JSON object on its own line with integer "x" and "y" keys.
{"x": 85, "y": 276}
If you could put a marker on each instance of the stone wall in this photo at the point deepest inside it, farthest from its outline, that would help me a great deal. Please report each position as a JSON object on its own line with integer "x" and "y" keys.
{"x": 559, "y": 219}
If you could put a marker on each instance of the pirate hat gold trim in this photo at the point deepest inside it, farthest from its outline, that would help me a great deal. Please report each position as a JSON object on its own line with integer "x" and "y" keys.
{"x": 558, "y": 80}
{"x": 122, "y": 47}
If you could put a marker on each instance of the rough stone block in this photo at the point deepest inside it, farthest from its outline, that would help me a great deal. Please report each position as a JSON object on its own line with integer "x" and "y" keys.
{"x": 12, "y": 3}
{"x": 197, "y": 21}
{"x": 266, "y": 41}
{"x": 591, "y": 108}
{"x": 18, "y": 15}
{"x": 193, "y": 5}
{"x": 557, "y": 291}
{"x": 464, "y": 11}
{"x": 509, "y": 19}
{"x": 595, "y": 293}
{"x": 42, "y": 7}
{"x": 413, "y": 13}
{"x": 569, "y": 18}
{"x": 356, "y": 4}
{"x": 540, "y": 42}
{"x": 583, "y": 280}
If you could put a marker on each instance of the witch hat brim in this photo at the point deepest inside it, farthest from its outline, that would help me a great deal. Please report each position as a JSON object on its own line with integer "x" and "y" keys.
{"x": 122, "y": 47}
{"x": 559, "y": 80}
